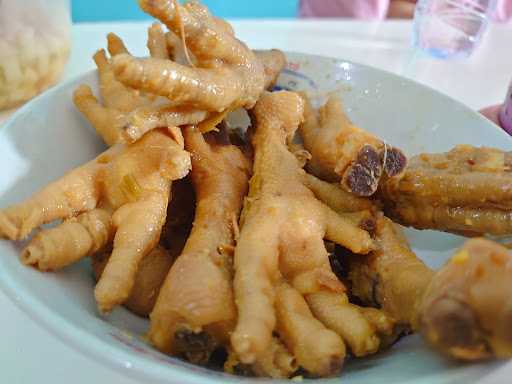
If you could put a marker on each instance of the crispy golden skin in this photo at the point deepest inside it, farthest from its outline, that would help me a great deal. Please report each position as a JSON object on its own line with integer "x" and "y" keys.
{"x": 197, "y": 294}
{"x": 464, "y": 309}
{"x": 283, "y": 226}
{"x": 123, "y": 194}
{"x": 342, "y": 151}
{"x": 467, "y": 189}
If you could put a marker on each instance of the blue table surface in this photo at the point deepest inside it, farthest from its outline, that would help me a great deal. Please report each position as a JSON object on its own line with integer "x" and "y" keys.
{"x": 101, "y": 10}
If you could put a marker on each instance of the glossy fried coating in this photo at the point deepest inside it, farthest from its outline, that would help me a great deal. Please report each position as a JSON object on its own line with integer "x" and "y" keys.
{"x": 227, "y": 74}
{"x": 197, "y": 295}
{"x": 128, "y": 183}
{"x": 282, "y": 231}
{"x": 149, "y": 278}
{"x": 467, "y": 189}
{"x": 342, "y": 151}
{"x": 463, "y": 309}
{"x": 467, "y": 309}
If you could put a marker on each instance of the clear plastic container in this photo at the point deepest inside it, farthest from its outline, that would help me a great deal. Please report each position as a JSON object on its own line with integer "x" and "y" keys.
{"x": 35, "y": 39}
{"x": 450, "y": 28}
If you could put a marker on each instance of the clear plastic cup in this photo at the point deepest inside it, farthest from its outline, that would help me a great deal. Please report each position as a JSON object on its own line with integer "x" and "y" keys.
{"x": 450, "y": 28}
{"x": 35, "y": 39}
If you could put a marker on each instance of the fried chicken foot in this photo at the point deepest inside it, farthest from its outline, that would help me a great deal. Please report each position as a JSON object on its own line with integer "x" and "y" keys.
{"x": 151, "y": 272}
{"x": 197, "y": 293}
{"x": 127, "y": 114}
{"x": 309, "y": 340}
{"x": 70, "y": 241}
{"x": 227, "y": 74}
{"x": 276, "y": 362}
{"x": 131, "y": 181}
{"x": 462, "y": 309}
{"x": 467, "y": 190}
{"x": 283, "y": 226}
{"x": 336, "y": 197}
{"x": 342, "y": 151}
{"x": 392, "y": 277}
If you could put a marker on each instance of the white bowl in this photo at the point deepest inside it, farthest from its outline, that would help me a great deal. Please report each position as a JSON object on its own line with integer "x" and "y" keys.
{"x": 48, "y": 136}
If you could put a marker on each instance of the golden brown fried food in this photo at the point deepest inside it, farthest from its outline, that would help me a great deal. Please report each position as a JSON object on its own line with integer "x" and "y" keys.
{"x": 342, "y": 151}
{"x": 336, "y": 197}
{"x": 283, "y": 226}
{"x": 273, "y": 62}
{"x": 127, "y": 114}
{"x": 150, "y": 276}
{"x": 197, "y": 296}
{"x": 227, "y": 74}
{"x": 316, "y": 348}
{"x": 392, "y": 277}
{"x": 467, "y": 309}
{"x": 153, "y": 268}
{"x": 124, "y": 191}
{"x": 276, "y": 362}
{"x": 466, "y": 190}
{"x": 462, "y": 308}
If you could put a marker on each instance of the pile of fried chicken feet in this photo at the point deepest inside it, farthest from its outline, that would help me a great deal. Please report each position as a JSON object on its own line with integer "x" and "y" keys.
{"x": 230, "y": 241}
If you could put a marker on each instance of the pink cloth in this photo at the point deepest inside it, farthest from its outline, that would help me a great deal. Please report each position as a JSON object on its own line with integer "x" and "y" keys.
{"x": 503, "y": 12}
{"x": 361, "y": 9}
{"x": 375, "y": 9}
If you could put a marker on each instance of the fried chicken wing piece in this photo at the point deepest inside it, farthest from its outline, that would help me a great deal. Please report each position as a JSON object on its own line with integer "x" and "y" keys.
{"x": 467, "y": 309}
{"x": 227, "y": 74}
{"x": 466, "y": 190}
{"x": 197, "y": 295}
{"x": 342, "y": 151}
{"x": 281, "y": 242}
{"x": 462, "y": 309}
{"x": 122, "y": 193}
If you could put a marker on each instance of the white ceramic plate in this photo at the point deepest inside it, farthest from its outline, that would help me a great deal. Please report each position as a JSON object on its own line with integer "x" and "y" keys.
{"x": 48, "y": 136}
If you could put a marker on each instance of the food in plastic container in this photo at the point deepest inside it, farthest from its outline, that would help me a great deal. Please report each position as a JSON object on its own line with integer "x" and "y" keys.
{"x": 34, "y": 47}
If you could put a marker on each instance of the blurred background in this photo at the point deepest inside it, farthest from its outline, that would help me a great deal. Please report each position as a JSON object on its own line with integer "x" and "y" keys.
{"x": 103, "y": 10}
